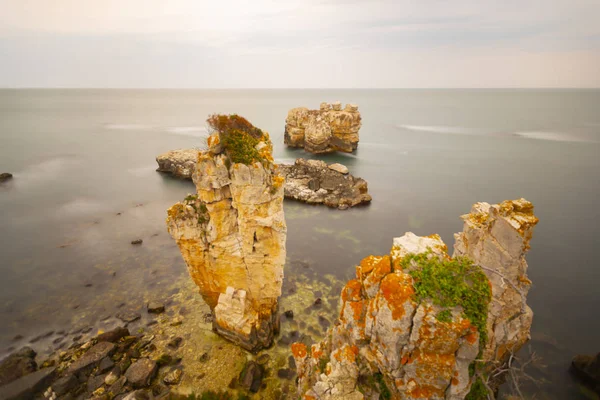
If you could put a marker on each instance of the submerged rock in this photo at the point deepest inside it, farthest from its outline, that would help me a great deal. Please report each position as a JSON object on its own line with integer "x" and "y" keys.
{"x": 413, "y": 322}
{"x": 5, "y": 176}
{"x": 141, "y": 372}
{"x": 26, "y": 387}
{"x": 325, "y": 130}
{"x": 232, "y": 232}
{"x": 180, "y": 163}
{"x": 314, "y": 182}
{"x": 587, "y": 368}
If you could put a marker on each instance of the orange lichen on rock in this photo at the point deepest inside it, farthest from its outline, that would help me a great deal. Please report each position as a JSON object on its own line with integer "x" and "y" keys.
{"x": 417, "y": 391}
{"x": 299, "y": 350}
{"x": 397, "y": 289}
{"x": 351, "y": 292}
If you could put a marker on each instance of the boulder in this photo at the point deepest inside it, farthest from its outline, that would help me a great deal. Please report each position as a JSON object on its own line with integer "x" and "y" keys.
{"x": 26, "y": 387}
{"x": 315, "y": 182}
{"x": 251, "y": 377}
{"x": 232, "y": 232}
{"x": 415, "y": 320}
{"x": 154, "y": 307}
{"x": 328, "y": 129}
{"x": 587, "y": 369}
{"x": 91, "y": 358}
{"x": 17, "y": 365}
{"x": 114, "y": 335}
{"x": 141, "y": 372}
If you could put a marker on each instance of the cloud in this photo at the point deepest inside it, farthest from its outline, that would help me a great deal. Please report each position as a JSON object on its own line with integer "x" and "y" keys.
{"x": 320, "y": 43}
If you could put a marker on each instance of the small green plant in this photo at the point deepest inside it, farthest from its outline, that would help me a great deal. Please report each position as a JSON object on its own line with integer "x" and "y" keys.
{"x": 241, "y": 147}
{"x": 444, "y": 316}
{"x": 238, "y": 137}
{"x": 384, "y": 392}
{"x": 449, "y": 283}
{"x": 478, "y": 391}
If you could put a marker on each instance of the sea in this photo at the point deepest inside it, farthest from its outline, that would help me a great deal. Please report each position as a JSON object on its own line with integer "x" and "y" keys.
{"x": 85, "y": 185}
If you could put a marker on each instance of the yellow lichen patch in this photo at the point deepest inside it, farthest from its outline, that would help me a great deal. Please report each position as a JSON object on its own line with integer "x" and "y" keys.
{"x": 397, "y": 289}
{"x": 213, "y": 140}
{"x": 299, "y": 350}
{"x": 346, "y": 353}
{"x": 278, "y": 181}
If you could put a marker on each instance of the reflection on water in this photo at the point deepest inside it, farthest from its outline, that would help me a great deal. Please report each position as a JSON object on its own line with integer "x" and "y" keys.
{"x": 85, "y": 187}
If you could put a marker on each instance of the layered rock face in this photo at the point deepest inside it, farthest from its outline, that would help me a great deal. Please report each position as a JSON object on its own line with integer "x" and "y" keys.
{"x": 413, "y": 323}
{"x": 325, "y": 130}
{"x": 315, "y": 182}
{"x": 232, "y": 232}
{"x": 180, "y": 163}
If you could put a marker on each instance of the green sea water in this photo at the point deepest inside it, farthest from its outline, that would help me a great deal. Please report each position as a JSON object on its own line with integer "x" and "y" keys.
{"x": 85, "y": 186}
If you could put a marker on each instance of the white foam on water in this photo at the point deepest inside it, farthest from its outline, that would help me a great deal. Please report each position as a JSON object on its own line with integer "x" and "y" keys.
{"x": 128, "y": 127}
{"x": 439, "y": 129}
{"x": 196, "y": 131}
{"x": 552, "y": 136}
{"x": 46, "y": 171}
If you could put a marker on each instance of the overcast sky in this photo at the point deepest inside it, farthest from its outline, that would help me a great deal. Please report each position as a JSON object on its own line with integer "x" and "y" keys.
{"x": 299, "y": 43}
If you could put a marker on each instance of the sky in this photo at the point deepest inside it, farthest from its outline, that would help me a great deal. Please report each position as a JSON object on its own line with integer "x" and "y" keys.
{"x": 299, "y": 43}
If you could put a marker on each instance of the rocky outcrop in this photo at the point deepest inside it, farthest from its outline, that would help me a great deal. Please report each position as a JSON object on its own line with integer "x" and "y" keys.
{"x": 232, "y": 232}
{"x": 587, "y": 369}
{"x": 5, "y": 176}
{"x": 180, "y": 163}
{"x": 413, "y": 322}
{"x": 315, "y": 182}
{"x": 325, "y": 130}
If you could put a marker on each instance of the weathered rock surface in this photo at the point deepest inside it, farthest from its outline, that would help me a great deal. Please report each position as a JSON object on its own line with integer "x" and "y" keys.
{"x": 393, "y": 340}
{"x": 315, "y": 182}
{"x": 180, "y": 163}
{"x": 92, "y": 358}
{"x": 141, "y": 372}
{"x": 17, "y": 365}
{"x": 27, "y": 386}
{"x": 232, "y": 232}
{"x": 325, "y": 130}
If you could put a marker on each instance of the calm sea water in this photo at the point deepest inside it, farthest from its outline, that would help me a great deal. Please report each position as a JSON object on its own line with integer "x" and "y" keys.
{"x": 79, "y": 157}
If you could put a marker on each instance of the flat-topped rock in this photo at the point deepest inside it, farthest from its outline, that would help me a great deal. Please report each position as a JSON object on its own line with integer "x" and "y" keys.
{"x": 328, "y": 129}
{"x": 180, "y": 163}
{"x": 93, "y": 357}
{"x": 315, "y": 182}
{"x": 26, "y": 387}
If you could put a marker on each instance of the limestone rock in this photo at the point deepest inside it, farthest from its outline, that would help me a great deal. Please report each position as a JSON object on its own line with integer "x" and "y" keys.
{"x": 232, "y": 232}
{"x": 410, "y": 345}
{"x": 26, "y": 387}
{"x": 180, "y": 163}
{"x": 92, "y": 358}
{"x": 325, "y": 130}
{"x": 314, "y": 182}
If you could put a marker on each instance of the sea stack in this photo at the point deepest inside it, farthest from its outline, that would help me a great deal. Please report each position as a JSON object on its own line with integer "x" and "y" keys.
{"x": 232, "y": 232}
{"x": 328, "y": 129}
{"x": 417, "y": 323}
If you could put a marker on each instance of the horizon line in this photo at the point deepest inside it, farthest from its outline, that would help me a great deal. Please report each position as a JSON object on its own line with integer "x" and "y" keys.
{"x": 296, "y": 88}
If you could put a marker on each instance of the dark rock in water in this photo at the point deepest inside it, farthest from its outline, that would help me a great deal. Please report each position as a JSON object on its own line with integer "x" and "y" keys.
{"x": 17, "y": 365}
{"x": 5, "y": 176}
{"x": 117, "y": 387}
{"x": 587, "y": 368}
{"x": 141, "y": 372}
{"x": 156, "y": 307}
{"x": 26, "y": 387}
{"x": 286, "y": 373}
{"x": 284, "y": 341}
{"x": 105, "y": 365}
{"x": 173, "y": 377}
{"x": 89, "y": 360}
{"x": 208, "y": 318}
{"x": 289, "y": 314}
{"x": 166, "y": 359}
{"x": 318, "y": 302}
{"x": 204, "y": 357}
{"x": 315, "y": 182}
{"x": 128, "y": 316}
{"x": 175, "y": 342}
{"x": 324, "y": 322}
{"x": 65, "y": 384}
{"x": 137, "y": 241}
{"x": 251, "y": 376}
{"x": 114, "y": 335}
{"x": 95, "y": 382}
{"x": 18, "y": 337}
{"x": 292, "y": 362}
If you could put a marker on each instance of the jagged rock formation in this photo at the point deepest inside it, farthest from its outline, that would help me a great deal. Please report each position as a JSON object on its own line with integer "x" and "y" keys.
{"x": 413, "y": 322}
{"x": 180, "y": 163}
{"x": 315, "y": 182}
{"x": 310, "y": 181}
{"x": 232, "y": 232}
{"x": 325, "y": 130}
